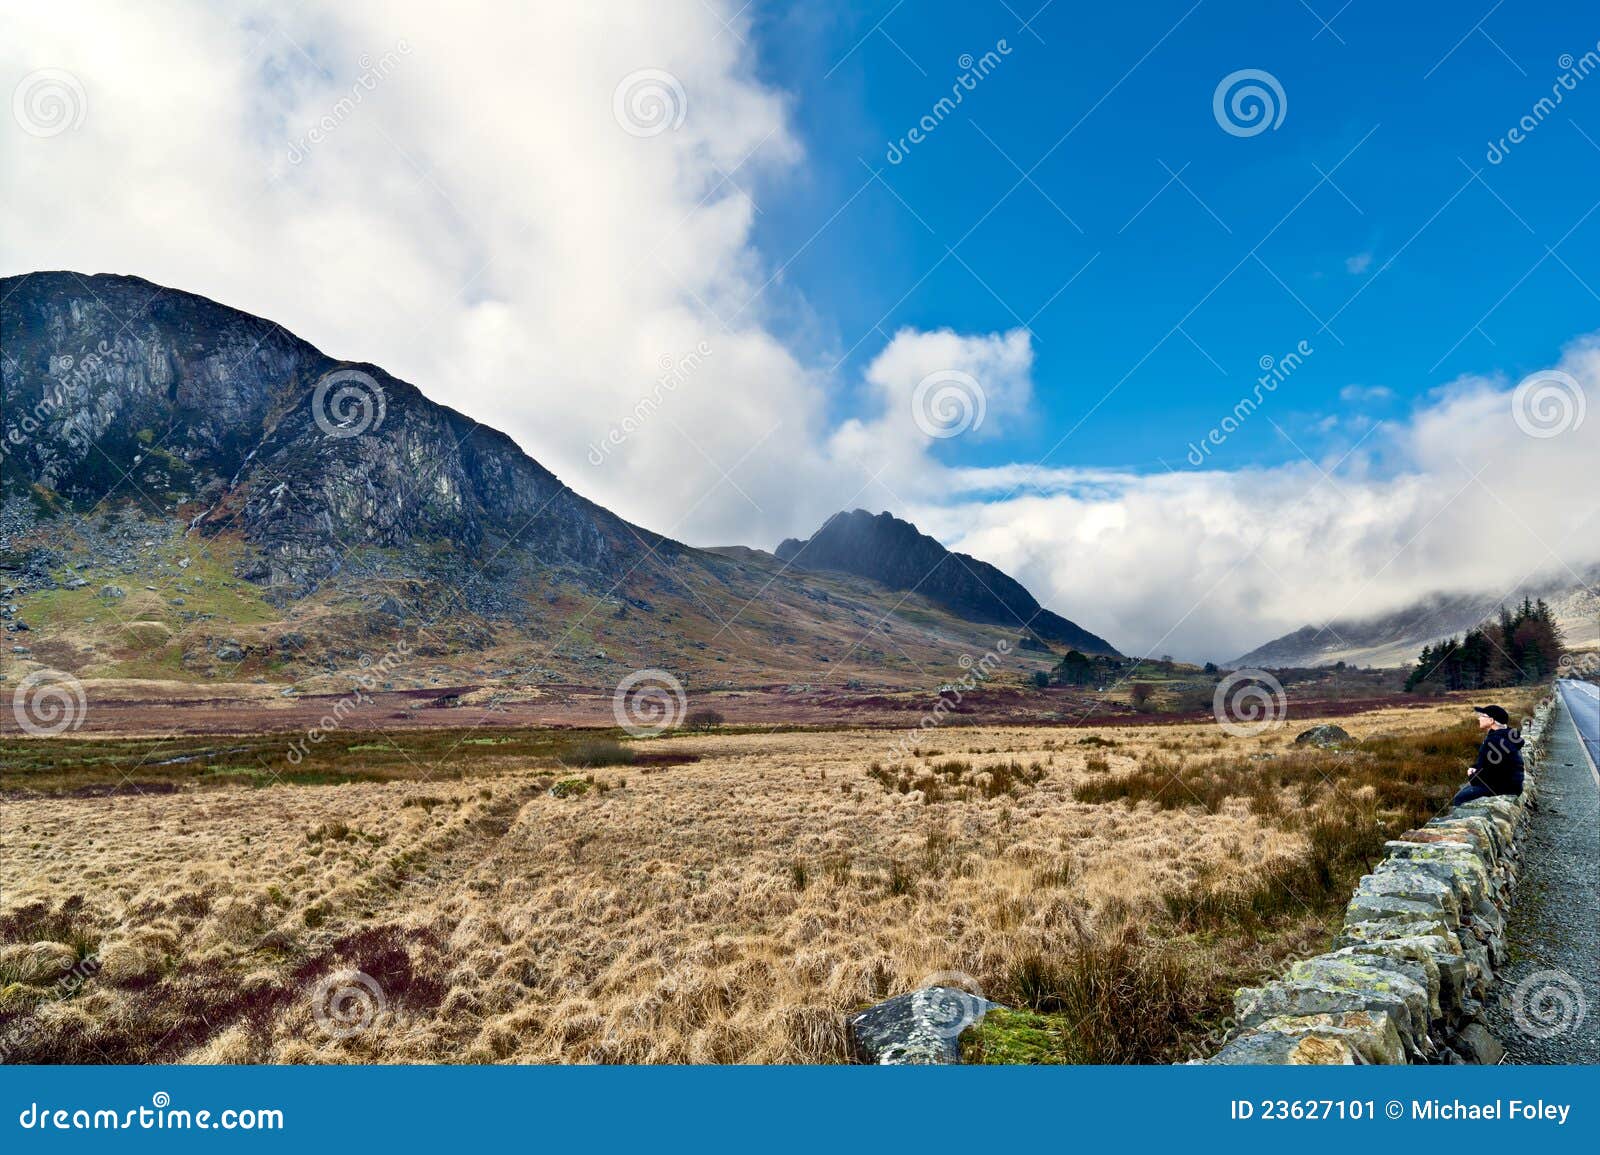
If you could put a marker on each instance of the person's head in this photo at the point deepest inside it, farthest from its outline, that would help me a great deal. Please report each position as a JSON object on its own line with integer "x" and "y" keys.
{"x": 1491, "y": 716}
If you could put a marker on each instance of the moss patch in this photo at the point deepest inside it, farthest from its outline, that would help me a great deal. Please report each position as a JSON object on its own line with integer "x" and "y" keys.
{"x": 1017, "y": 1037}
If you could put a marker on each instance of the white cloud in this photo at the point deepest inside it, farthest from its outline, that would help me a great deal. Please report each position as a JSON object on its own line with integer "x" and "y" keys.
{"x": 1211, "y": 564}
{"x": 480, "y": 224}
{"x": 1371, "y": 394}
{"x": 1357, "y": 264}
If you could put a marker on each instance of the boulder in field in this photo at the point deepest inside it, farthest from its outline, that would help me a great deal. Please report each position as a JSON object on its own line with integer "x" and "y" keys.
{"x": 1324, "y": 736}
{"x": 921, "y": 1028}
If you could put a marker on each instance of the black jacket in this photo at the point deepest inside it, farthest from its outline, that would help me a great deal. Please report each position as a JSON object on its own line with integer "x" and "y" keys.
{"x": 1499, "y": 763}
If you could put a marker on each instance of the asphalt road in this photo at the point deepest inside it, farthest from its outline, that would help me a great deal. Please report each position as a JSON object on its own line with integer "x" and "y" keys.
{"x": 1546, "y": 1004}
{"x": 1583, "y": 703}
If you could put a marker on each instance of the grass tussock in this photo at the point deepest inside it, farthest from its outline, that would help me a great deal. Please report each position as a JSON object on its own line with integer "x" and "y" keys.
{"x": 956, "y": 780}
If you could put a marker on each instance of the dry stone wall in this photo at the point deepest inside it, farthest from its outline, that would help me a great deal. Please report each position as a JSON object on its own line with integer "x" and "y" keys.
{"x": 1424, "y": 933}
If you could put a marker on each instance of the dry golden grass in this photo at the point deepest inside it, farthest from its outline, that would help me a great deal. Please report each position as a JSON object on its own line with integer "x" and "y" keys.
{"x": 729, "y": 910}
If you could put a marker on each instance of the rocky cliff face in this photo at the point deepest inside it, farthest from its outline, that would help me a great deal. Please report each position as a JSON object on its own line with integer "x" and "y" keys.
{"x": 114, "y": 386}
{"x": 895, "y": 553}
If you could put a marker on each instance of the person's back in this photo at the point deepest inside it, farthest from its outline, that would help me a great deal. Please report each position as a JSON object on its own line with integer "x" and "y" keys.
{"x": 1498, "y": 769}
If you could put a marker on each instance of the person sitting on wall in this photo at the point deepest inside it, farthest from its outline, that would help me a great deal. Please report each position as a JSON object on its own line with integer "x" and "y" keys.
{"x": 1498, "y": 767}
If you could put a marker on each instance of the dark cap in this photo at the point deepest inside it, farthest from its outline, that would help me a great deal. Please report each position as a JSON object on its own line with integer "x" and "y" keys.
{"x": 1495, "y": 712}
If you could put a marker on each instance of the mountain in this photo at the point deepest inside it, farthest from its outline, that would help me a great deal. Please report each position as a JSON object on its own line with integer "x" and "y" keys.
{"x": 188, "y": 491}
{"x": 1395, "y": 639}
{"x": 893, "y": 552}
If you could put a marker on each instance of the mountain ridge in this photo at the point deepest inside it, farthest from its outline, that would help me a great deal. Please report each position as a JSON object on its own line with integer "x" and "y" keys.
{"x": 893, "y": 551}
{"x": 344, "y": 508}
{"x": 1396, "y": 638}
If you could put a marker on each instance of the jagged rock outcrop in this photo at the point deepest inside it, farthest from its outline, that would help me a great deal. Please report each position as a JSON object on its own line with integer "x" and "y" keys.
{"x": 112, "y": 384}
{"x": 894, "y": 552}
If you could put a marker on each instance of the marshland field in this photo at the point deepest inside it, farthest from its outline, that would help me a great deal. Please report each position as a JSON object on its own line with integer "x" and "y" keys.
{"x": 538, "y": 895}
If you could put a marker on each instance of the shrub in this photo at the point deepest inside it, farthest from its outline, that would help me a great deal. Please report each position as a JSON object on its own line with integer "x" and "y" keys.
{"x": 704, "y": 720}
{"x": 599, "y": 752}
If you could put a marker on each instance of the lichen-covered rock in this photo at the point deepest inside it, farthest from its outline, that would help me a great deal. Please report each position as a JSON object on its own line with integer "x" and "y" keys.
{"x": 1399, "y": 882}
{"x": 1349, "y": 974}
{"x": 1364, "y": 932}
{"x": 1253, "y": 1006}
{"x": 1446, "y": 967}
{"x": 1415, "y": 960}
{"x": 1476, "y": 827}
{"x": 1275, "y": 1048}
{"x": 920, "y": 1028}
{"x": 1352, "y": 1037}
{"x": 1458, "y": 866}
{"x": 1377, "y": 907}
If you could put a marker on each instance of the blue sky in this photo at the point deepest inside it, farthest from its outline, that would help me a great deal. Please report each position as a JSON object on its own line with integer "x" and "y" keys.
{"x": 1426, "y": 271}
{"x": 469, "y": 196}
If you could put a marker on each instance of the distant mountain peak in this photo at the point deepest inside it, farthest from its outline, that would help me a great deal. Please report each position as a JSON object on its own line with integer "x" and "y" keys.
{"x": 896, "y": 553}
